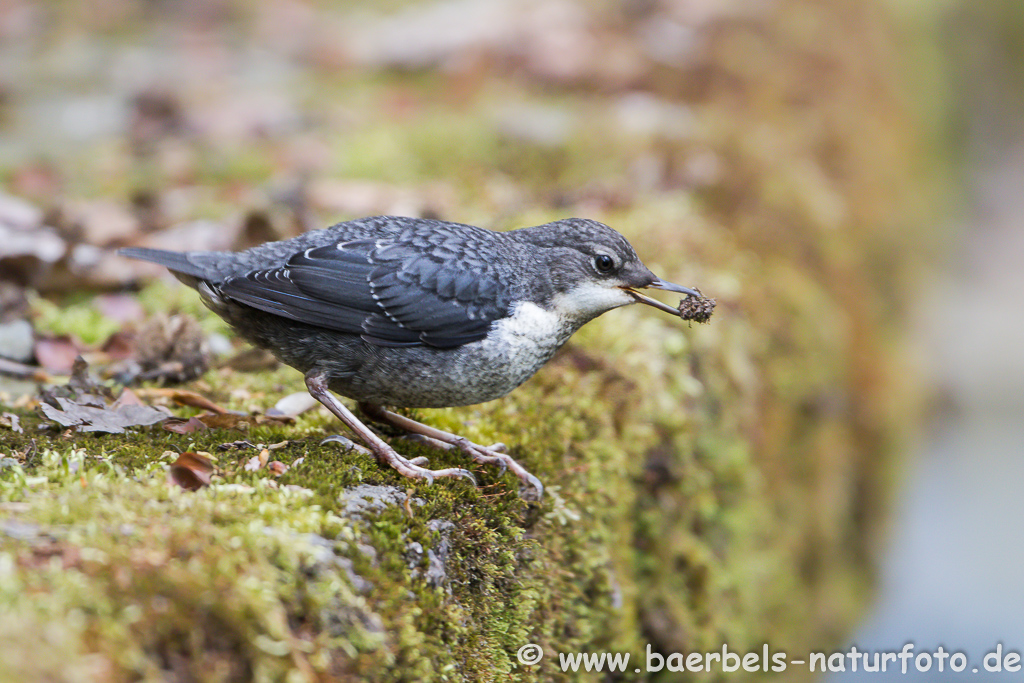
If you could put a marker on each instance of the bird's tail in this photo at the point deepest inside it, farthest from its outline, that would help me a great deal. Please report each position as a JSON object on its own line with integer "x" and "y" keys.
{"x": 175, "y": 261}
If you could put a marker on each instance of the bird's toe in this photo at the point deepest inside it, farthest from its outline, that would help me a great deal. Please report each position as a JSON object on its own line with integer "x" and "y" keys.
{"x": 346, "y": 443}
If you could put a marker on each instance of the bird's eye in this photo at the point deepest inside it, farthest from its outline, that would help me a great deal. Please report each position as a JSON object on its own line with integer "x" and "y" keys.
{"x": 604, "y": 263}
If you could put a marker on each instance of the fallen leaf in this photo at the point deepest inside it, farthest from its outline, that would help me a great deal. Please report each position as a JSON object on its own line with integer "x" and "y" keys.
{"x": 191, "y": 471}
{"x": 257, "y": 462}
{"x": 179, "y": 426}
{"x": 183, "y": 397}
{"x": 89, "y": 418}
{"x": 81, "y": 382}
{"x": 277, "y": 468}
{"x": 127, "y": 398}
{"x": 11, "y": 421}
{"x": 223, "y": 421}
{"x": 226, "y": 420}
{"x": 257, "y": 228}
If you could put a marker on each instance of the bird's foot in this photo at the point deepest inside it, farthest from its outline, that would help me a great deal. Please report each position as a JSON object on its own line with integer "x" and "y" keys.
{"x": 407, "y": 467}
{"x": 487, "y": 455}
{"x": 530, "y": 486}
{"x": 316, "y": 382}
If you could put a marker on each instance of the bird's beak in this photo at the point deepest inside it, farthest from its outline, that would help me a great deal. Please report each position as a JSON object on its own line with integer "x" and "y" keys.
{"x": 668, "y": 287}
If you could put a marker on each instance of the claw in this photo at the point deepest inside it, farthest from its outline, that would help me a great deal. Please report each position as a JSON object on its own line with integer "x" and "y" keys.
{"x": 535, "y": 483}
{"x": 338, "y": 438}
{"x": 346, "y": 443}
{"x": 503, "y": 467}
{"x": 449, "y": 472}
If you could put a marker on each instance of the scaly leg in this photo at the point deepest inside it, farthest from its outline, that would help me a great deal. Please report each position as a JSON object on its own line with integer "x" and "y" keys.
{"x": 481, "y": 454}
{"x": 316, "y": 383}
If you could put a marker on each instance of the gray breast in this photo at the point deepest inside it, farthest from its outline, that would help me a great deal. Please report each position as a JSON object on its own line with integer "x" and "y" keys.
{"x": 424, "y": 377}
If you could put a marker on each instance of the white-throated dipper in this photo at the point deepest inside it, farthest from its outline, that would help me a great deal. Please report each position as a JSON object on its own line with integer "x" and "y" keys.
{"x": 419, "y": 313}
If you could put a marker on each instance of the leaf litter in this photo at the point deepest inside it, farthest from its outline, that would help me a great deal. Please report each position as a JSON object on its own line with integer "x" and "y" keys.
{"x": 191, "y": 471}
{"x": 89, "y": 406}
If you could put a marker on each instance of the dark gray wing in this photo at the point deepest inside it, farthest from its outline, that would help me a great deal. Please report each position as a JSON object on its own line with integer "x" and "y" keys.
{"x": 390, "y": 292}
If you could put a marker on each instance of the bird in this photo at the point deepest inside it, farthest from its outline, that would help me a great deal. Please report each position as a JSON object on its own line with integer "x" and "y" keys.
{"x": 400, "y": 312}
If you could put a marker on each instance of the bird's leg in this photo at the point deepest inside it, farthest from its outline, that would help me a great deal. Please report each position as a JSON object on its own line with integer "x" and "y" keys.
{"x": 316, "y": 383}
{"x": 482, "y": 454}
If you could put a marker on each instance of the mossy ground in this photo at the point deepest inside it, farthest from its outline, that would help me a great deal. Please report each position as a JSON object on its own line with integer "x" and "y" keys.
{"x": 705, "y": 484}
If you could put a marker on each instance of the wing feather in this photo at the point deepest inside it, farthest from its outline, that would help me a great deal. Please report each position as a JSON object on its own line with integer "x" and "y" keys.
{"x": 399, "y": 291}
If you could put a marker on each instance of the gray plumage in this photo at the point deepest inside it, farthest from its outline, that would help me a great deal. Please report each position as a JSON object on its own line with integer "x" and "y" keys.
{"x": 419, "y": 313}
{"x": 398, "y": 310}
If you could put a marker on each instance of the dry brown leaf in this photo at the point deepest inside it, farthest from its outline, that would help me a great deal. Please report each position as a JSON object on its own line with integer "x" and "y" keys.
{"x": 222, "y": 421}
{"x": 127, "y": 398}
{"x": 191, "y": 471}
{"x": 226, "y": 420}
{"x": 183, "y": 397}
{"x": 179, "y": 426}
{"x": 277, "y": 468}
{"x": 258, "y": 462}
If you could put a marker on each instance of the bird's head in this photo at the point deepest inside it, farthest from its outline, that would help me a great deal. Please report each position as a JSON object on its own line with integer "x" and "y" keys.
{"x": 593, "y": 269}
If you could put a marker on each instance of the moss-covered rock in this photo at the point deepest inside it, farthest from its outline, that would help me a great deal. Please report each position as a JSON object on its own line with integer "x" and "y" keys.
{"x": 709, "y": 484}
